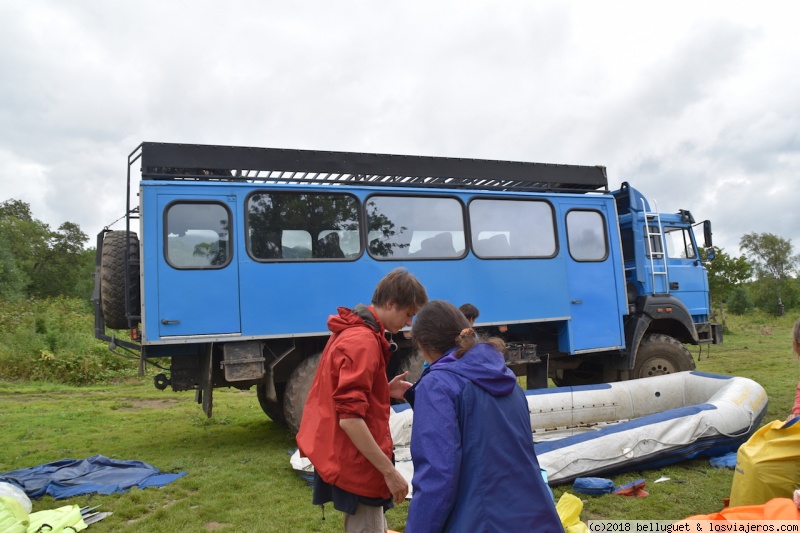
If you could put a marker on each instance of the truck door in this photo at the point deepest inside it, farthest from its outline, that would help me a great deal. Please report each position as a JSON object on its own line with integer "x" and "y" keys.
{"x": 686, "y": 274}
{"x": 198, "y": 280}
{"x": 593, "y": 272}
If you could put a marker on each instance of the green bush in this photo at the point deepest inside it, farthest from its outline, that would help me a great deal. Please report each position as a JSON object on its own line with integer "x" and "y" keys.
{"x": 768, "y": 294}
{"x": 53, "y": 340}
{"x": 13, "y": 280}
{"x": 739, "y": 301}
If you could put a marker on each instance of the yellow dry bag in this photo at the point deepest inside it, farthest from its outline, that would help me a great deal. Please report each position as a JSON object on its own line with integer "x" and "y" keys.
{"x": 768, "y": 464}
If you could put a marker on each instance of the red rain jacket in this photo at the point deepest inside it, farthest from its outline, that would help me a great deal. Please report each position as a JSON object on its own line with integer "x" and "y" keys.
{"x": 350, "y": 382}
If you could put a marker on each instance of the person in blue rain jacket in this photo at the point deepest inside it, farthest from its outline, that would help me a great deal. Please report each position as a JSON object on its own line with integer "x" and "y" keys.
{"x": 475, "y": 468}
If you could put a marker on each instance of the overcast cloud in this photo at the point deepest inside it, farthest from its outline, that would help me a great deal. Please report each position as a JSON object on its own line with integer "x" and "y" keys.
{"x": 697, "y": 104}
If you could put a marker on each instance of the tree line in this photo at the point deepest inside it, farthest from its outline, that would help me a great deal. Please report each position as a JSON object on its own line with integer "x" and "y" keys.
{"x": 764, "y": 277}
{"x": 39, "y": 262}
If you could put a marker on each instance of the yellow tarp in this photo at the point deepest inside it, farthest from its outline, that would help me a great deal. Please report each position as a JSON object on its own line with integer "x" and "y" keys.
{"x": 58, "y": 519}
{"x": 14, "y": 519}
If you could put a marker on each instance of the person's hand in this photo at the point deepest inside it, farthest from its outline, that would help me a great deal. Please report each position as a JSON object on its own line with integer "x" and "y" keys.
{"x": 397, "y": 484}
{"x": 791, "y": 417}
{"x": 398, "y": 387}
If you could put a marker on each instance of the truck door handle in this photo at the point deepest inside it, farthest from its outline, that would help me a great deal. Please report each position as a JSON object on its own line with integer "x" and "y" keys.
{"x": 167, "y": 322}
{"x": 577, "y": 301}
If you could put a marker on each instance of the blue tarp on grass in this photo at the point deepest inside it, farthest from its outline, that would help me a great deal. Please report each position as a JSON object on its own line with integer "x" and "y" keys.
{"x": 73, "y": 477}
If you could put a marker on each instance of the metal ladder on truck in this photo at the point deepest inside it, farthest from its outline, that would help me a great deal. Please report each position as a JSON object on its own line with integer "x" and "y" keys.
{"x": 658, "y": 257}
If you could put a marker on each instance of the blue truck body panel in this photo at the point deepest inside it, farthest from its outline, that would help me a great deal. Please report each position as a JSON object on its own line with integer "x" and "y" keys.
{"x": 241, "y": 254}
{"x": 257, "y": 299}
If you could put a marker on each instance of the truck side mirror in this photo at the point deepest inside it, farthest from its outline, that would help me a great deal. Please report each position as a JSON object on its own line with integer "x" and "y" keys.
{"x": 707, "y": 233}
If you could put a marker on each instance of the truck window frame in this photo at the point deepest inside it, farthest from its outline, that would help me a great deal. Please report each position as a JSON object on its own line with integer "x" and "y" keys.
{"x": 688, "y": 242}
{"x": 355, "y": 209}
{"x": 604, "y": 227}
{"x": 436, "y": 241}
{"x": 479, "y": 249}
{"x": 166, "y": 234}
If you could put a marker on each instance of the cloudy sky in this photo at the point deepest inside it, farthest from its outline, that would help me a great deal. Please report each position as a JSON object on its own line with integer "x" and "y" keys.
{"x": 697, "y": 104}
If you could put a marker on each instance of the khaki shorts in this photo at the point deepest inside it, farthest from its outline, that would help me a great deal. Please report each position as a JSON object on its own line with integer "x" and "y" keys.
{"x": 368, "y": 519}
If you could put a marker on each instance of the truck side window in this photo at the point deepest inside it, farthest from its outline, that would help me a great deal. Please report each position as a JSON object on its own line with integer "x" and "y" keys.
{"x": 679, "y": 243}
{"x": 653, "y": 242}
{"x": 512, "y": 228}
{"x": 197, "y": 235}
{"x": 292, "y": 226}
{"x": 586, "y": 235}
{"x": 415, "y": 227}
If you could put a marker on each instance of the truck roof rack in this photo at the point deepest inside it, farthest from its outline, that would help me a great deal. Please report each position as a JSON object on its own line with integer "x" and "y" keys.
{"x": 193, "y": 162}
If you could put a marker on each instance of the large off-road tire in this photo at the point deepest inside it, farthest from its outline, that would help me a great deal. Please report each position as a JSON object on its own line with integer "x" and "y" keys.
{"x": 112, "y": 278}
{"x": 660, "y": 354}
{"x": 410, "y": 362}
{"x": 274, "y": 410}
{"x": 294, "y": 398}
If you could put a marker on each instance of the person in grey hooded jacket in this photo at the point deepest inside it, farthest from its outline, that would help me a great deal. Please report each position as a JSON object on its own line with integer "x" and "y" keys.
{"x": 475, "y": 468}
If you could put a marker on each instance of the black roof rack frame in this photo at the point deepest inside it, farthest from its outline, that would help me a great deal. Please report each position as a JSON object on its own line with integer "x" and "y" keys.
{"x": 194, "y": 162}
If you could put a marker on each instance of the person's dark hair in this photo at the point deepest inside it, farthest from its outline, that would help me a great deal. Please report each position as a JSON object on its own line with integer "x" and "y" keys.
{"x": 402, "y": 288}
{"x": 470, "y": 311}
{"x": 440, "y": 326}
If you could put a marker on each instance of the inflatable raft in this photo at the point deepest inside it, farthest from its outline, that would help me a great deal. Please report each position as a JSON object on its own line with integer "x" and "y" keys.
{"x": 629, "y": 425}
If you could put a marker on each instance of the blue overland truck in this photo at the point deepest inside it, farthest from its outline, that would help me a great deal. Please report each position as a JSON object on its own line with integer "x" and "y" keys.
{"x": 232, "y": 259}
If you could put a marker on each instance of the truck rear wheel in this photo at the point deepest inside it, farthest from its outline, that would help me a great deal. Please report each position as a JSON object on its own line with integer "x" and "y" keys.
{"x": 661, "y": 354}
{"x": 587, "y": 373}
{"x": 274, "y": 410}
{"x": 294, "y": 398}
{"x": 412, "y": 364}
{"x": 112, "y": 278}
{"x": 408, "y": 361}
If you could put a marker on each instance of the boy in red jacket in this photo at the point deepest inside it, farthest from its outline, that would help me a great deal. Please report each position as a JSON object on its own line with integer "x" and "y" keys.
{"x": 345, "y": 426}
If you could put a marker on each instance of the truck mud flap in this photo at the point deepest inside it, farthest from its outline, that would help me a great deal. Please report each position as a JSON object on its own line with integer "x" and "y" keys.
{"x": 243, "y": 361}
{"x": 206, "y": 389}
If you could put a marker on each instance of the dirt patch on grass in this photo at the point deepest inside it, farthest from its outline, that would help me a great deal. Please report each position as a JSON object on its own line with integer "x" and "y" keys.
{"x": 213, "y": 526}
{"x": 148, "y": 404}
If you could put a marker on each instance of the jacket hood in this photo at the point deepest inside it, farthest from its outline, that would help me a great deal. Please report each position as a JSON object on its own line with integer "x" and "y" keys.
{"x": 359, "y": 316}
{"x": 483, "y": 365}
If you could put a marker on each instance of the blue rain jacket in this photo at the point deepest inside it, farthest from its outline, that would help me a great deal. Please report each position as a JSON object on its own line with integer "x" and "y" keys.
{"x": 475, "y": 468}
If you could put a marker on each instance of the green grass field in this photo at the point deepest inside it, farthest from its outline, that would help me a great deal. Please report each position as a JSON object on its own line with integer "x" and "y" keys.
{"x": 239, "y": 477}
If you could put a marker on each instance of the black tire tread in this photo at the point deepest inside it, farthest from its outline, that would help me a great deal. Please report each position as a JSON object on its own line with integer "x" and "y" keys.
{"x": 112, "y": 278}
{"x": 294, "y": 398}
{"x": 659, "y": 346}
{"x": 274, "y": 410}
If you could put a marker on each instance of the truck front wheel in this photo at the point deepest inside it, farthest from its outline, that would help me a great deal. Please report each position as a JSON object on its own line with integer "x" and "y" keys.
{"x": 661, "y": 354}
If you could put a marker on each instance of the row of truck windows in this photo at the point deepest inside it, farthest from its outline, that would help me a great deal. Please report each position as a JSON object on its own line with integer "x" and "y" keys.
{"x": 282, "y": 226}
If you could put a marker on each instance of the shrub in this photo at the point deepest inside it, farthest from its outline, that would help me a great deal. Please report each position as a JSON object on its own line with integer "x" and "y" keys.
{"x": 739, "y": 301}
{"x": 53, "y": 340}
